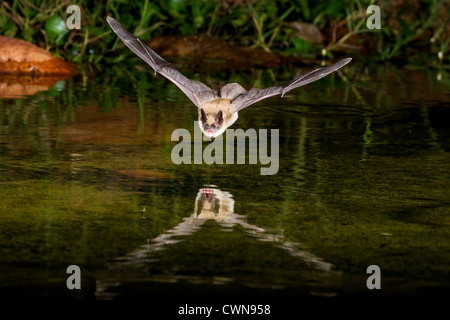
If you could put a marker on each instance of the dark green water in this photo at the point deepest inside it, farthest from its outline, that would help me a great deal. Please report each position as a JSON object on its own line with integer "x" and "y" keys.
{"x": 86, "y": 179}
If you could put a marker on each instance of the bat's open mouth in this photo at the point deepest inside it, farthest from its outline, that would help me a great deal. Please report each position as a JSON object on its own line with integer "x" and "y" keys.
{"x": 210, "y": 133}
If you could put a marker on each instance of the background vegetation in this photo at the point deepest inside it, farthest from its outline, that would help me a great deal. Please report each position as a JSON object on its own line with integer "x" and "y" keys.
{"x": 412, "y": 31}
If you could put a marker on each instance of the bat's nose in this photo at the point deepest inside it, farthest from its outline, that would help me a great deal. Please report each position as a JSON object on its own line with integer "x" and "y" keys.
{"x": 210, "y": 133}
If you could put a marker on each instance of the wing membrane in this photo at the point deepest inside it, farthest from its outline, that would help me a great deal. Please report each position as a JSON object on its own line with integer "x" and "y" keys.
{"x": 254, "y": 95}
{"x": 197, "y": 91}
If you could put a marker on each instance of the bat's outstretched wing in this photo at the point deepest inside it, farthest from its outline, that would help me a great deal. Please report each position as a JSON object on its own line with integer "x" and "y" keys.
{"x": 254, "y": 95}
{"x": 195, "y": 90}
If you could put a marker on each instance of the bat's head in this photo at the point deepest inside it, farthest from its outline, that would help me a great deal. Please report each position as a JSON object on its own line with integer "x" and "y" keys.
{"x": 211, "y": 123}
{"x": 215, "y": 116}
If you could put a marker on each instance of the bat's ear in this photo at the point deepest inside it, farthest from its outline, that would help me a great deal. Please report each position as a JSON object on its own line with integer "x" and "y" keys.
{"x": 219, "y": 117}
{"x": 203, "y": 116}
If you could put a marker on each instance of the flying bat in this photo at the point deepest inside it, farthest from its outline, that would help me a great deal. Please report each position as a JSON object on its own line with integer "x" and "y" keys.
{"x": 217, "y": 109}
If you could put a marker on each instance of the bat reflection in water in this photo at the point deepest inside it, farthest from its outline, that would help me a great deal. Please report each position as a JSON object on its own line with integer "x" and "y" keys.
{"x": 214, "y": 204}
{"x": 217, "y": 109}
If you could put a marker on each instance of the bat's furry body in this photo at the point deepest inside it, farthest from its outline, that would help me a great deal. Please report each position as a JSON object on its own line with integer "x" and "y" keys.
{"x": 212, "y": 125}
{"x": 217, "y": 109}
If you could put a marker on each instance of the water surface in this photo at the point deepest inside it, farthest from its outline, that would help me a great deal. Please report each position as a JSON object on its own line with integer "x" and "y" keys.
{"x": 86, "y": 179}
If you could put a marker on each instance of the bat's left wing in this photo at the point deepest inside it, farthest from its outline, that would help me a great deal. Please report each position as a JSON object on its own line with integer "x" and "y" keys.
{"x": 254, "y": 95}
{"x": 197, "y": 91}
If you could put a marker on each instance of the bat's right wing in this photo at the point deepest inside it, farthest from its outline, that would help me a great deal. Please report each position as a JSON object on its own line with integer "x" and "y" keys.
{"x": 195, "y": 90}
{"x": 254, "y": 95}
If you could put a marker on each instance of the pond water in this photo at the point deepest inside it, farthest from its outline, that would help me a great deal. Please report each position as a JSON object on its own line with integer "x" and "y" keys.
{"x": 87, "y": 179}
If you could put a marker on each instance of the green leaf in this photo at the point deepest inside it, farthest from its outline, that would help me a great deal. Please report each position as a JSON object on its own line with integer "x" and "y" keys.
{"x": 55, "y": 27}
{"x": 241, "y": 21}
{"x": 305, "y": 9}
{"x": 302, "y": 46}
{"x": 187, "y": 30}
{"x": 176, "y": 4}
{"x": 9, "y": 29}
{"x": 198, "y": 21}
